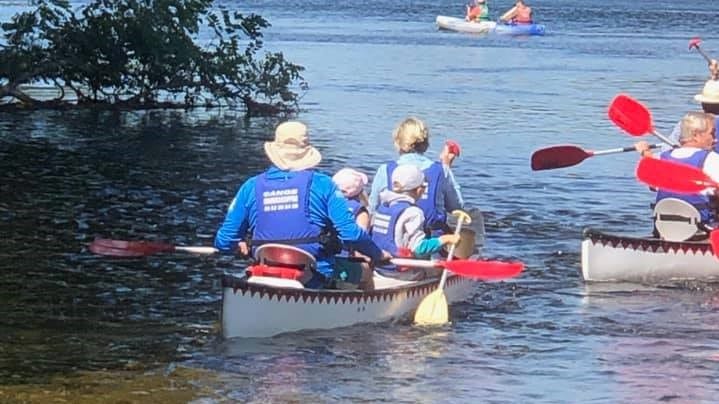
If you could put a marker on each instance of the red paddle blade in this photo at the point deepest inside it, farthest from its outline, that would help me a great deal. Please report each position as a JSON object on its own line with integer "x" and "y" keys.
{"x": 694, "y": 42}
{"x": 558, "y": 157}
{"x": 714, "y": 238}
{"x": 630, "y": 115}
{"x": 671, "y": 176}
{"x": 485, "y": 270}
{"x": 122, "y": 248}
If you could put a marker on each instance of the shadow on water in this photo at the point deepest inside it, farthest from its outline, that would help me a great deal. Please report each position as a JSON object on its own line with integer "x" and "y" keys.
{"x": 73, "y": 176}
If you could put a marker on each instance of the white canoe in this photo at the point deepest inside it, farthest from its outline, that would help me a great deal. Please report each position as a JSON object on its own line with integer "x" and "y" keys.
{"x": 460, "y": 25}
{"x": 612, "y": 258}
{"x": 252, "y": 309}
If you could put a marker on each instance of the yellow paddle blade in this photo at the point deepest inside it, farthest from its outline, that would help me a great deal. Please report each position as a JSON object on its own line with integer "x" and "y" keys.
{"x": 432, "y": 309}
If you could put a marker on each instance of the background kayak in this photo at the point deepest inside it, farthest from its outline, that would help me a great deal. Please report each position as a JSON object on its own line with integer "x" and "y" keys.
{"x": 485, "y": 27}
{"x": 460, "y": 25}
{"x": 519, "y": 29}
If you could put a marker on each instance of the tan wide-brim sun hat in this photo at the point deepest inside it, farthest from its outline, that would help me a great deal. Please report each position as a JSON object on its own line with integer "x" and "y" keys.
{"x": 710, "y": 93}
{"x": 291, "y": 149}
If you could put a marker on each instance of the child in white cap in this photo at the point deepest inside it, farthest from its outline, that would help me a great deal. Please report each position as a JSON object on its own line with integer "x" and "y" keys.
{"x": 398, "y": 223}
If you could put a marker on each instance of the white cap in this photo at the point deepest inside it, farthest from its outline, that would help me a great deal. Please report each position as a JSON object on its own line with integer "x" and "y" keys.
{"x": 407, "y": 177}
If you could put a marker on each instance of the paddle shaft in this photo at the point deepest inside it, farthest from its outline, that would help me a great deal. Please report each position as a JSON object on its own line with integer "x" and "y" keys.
{"x": 409, "y": 262}
{"x": 619, "y": 150}
{"x": 664, "y": 138}
{"x": 197, "y": 249}
{"x": 701, "y": 52}
{"x": 460, "y": 221}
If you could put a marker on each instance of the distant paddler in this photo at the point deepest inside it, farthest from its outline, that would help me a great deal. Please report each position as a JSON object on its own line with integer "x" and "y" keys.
{"x": 521, "y": 13}
{"x": 478, "y": 11}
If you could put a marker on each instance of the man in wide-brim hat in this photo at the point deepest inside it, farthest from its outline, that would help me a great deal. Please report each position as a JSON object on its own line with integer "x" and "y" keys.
{"x": 292, "y": 203}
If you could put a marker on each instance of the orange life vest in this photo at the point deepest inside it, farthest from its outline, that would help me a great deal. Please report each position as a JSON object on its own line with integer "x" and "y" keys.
{"x": 524, "y": 15}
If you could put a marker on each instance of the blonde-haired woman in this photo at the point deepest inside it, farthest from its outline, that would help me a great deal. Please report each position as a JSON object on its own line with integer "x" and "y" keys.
{"x": 442, "y": 195}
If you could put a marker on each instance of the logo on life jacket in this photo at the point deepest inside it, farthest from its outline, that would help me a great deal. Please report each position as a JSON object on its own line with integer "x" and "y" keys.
{"x": 282, "y": 199}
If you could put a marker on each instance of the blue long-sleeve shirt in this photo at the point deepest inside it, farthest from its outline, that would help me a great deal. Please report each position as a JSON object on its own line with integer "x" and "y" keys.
{"x": 326, "y": 205}
{"x": 449, "y": 197}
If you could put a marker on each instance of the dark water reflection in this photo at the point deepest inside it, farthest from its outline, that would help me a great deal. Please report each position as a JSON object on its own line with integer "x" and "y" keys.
{"x": 69, "y": 320}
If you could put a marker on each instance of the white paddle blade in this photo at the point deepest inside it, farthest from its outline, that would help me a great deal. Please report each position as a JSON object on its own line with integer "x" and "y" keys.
{"x": 433, "y": 310}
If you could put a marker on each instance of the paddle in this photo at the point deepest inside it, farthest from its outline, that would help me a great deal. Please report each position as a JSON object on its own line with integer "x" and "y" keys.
{"x": 123, "y": 248}
{"x": 433, "y": 309}
{"x": 633, "y": 117}
{"x": 680, "y": 178}
{"x": 484, "y": 270}
{"x": 694, "y": 43}
{"x": 569, "y": 155}
{"x": 672, "y": 176}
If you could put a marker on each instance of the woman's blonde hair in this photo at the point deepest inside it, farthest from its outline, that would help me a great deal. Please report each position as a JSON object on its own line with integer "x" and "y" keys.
{"x": 694, "y": 122}
{"x": 411, "y": 135}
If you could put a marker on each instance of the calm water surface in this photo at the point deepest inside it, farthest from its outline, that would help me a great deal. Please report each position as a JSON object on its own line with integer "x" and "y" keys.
{"x": 82, "y": 328}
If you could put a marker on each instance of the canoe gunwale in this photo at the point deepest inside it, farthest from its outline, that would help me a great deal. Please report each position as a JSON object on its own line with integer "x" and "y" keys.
{"x": 240, "y": 283}
{"x": 645, "y": 243}
{"x": 609, "y": 257}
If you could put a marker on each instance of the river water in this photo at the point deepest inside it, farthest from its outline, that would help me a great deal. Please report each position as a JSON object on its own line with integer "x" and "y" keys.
{"x": 82, "y": 328}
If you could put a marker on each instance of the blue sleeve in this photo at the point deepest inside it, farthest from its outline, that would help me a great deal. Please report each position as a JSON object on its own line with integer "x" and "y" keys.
{"x": 427, "y": 247}
{"x": 452, "y": 194}
{"x": 325, "y": 193}
{"x": 237, "y": 220}
{"x": 379, "y": 182}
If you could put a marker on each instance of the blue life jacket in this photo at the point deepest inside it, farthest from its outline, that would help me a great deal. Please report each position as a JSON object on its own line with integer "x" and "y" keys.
{"x": 434, "y": 175}
{"x": 283, "y": 213}
{"x": 384, "y": 222}
{"x": 355, "y": 208}
{"x": 701, "y": 202}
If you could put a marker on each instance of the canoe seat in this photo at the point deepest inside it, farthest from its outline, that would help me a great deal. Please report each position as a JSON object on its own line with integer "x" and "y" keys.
{"x": 676, "y": 220}
{"x": 281, "y": 255}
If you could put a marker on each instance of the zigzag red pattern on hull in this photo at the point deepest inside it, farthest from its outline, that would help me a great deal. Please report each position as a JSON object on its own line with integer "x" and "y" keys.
{"x": 333, "y": 296}
{"x": 648, "y": 244}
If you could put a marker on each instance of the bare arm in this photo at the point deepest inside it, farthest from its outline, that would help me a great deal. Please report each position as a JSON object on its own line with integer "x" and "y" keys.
{"x": 509, "y": 14}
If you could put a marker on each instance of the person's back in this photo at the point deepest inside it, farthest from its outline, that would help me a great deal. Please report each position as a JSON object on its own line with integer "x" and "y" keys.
{"x": 521, "y": 13}
{"x": 435, "y": 219}
{"x": 398, "y": 224}
{"x": 411, "y": 138}
{"x": 291, "y": 203}
{"x": 524, "y": 14}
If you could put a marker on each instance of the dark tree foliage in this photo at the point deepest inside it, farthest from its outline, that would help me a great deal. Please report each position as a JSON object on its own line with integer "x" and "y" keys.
{"x": 133, "y": 54}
